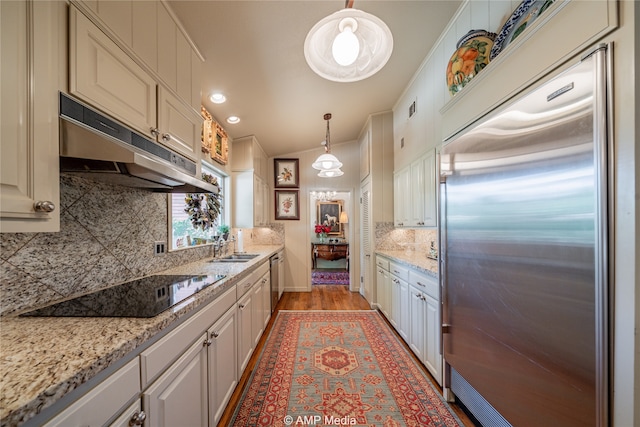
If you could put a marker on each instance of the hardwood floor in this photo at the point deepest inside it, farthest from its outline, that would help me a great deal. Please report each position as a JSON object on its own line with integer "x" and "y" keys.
{"x": 321, "y": 297}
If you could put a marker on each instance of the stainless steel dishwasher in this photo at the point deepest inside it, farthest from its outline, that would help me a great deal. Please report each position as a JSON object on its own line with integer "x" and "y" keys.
{"x": 274, "y": 263}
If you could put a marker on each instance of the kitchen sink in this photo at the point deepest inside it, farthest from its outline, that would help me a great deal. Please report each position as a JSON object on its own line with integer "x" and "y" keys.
{"x": 236, "y": 258}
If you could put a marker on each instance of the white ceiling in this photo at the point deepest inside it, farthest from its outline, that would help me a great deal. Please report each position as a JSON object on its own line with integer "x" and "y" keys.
{"x": 254, "y": 55}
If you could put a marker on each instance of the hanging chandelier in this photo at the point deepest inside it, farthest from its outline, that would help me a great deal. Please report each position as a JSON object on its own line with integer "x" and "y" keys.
{"x": 348, "y": 45}
{"x": 328, "y": 164}
{"x": 323, "y": 196}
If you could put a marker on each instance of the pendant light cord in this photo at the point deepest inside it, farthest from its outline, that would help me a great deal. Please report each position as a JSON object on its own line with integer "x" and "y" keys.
{"x": 327, "y": 147}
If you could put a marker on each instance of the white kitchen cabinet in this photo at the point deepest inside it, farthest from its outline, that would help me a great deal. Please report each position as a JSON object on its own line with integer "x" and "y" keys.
{"x": 179, "y": 126}
{"x": 257, "y": 314}
{"x": 383, "y": 285}
{"x": 415, "y": 193}
{"x": 400, "y": 299}
{"x": 376, "y": 192}
{"x": 426, "y": 328}
{"x": 104, "y": 401}
{"x": 432, "y": 357}
{"x": 222, "y": 363}
{"x": 250, "y": 189}
{"x": 417, "y": 313}
{"x": 245, "y": 325}
{"x": 402, "y": 197}
{"x": 145, "y": 32}
{"x": 105, "y": 76}
{"x": 423, "y": 194}
{"x": 33, "y": 46}
{"x": 179, "y": 396}
{"x": 253, "y": 313}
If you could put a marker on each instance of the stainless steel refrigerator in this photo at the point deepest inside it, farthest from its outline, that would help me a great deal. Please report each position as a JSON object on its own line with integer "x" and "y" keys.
{"x": 524, "y": 255}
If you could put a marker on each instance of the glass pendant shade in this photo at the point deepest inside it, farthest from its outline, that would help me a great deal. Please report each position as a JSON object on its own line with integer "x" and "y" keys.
{"x": 330, "y": 173}
{"x": 348, "y": 45}
{"x": 327, "y": 161}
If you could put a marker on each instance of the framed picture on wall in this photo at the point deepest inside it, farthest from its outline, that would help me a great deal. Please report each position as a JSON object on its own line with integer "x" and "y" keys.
{"x": 287, "y": 204}
{"x": 286, "y": 173}
{"x": 329, "y": 214}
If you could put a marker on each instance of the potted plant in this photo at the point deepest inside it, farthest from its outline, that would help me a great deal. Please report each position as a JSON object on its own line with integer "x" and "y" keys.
{"x": 223, "y": 229}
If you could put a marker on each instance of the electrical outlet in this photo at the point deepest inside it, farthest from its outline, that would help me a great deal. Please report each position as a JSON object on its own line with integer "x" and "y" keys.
{"x": 159, "y": 248}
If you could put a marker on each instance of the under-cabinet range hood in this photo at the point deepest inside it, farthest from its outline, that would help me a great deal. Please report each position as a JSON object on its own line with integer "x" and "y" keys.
{"x": 97, "y": 147}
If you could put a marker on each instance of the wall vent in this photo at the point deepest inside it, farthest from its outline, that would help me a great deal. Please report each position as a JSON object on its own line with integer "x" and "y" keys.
{"x": 412, "y": 109}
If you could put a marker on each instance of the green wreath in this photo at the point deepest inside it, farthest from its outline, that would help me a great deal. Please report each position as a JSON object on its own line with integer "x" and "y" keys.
{"x": 203, "y": 208}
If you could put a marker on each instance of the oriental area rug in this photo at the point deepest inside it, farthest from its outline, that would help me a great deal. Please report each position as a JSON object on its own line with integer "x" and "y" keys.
{"x": 325, "y": 368}
{"x": 331, "y": 277}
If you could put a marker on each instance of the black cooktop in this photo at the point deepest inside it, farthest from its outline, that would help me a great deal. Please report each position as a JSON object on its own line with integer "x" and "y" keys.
{"x": 146, "y": 297}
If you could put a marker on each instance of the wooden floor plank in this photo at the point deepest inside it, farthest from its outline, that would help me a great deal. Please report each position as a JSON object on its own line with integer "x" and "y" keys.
{"x": 321, "y": 297}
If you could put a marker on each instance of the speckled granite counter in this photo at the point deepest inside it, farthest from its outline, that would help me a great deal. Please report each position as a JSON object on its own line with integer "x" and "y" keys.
{"x": 43, "y": 359}
{"x": 413, "y": 259}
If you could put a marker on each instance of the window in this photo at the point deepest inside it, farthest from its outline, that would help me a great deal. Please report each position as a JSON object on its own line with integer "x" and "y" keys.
{"x": 183, "y": 233}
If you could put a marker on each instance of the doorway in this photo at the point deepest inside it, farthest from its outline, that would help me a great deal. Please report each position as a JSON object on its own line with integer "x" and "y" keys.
{"x": 330, "y": 245}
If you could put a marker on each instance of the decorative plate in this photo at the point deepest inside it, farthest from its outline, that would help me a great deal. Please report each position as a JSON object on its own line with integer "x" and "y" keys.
{"x": 523, "y": 16}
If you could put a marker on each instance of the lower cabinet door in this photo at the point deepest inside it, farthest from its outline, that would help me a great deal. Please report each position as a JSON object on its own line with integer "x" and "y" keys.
{"x": 432, "y": 357}
{"x": 179, "y": 396}
{"x": 418, "y": 319}
{"x": 223, "y": 359}
{"x": 245, "y": 338}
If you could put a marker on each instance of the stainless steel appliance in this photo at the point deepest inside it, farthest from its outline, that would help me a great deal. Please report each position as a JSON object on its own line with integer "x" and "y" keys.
{"x": 274, "y": 262}
{"x": 99, "y": 148}
{"x": 145, "y": 297}
{"x": 524, "y": 256}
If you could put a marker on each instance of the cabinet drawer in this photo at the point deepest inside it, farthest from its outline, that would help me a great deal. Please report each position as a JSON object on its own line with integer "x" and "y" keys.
{"x": 399, "y": 271}
{"x": 428, "y": 285}
{"x": 247, "y": 283}
{"x": 155, "y": 359}
{"x": 382, "y": 263}
{"x": 104, "y": 401}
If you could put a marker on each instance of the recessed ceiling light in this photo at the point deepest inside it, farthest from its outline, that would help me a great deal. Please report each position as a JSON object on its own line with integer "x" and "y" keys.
{"x": 233, "y": 119}
{"x": 217, "y": 98}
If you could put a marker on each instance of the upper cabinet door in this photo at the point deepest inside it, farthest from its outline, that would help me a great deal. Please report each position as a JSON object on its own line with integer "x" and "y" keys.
{"x": 179, "y": 125}
{"x": 32, "y": 46}
{"x": 106, "y": 77}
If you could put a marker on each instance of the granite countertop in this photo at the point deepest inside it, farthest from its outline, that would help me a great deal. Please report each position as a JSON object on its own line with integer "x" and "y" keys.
{"x": 44, "y": 358}
{"x": 413, "y": 259}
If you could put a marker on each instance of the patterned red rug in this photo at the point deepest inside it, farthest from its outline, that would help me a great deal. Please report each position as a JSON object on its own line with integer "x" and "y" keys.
{"x": 338, "y": 368}
{"x": 319, "y": 277}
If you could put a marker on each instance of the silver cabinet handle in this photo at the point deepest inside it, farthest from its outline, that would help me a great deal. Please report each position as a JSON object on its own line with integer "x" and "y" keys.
{"x": 154, "y": 131}
{"x": 206, "y": 343}
{"x": 44, "y": 206}
{"x": 166, "y": 137}
{"x": 241, "y": 306}
{"x": 418, "y": 283}
{"x": 215, "y": 334}
{"x": 137, "y": 419}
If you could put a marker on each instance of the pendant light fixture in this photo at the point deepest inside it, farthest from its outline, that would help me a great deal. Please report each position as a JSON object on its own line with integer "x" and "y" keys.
{"x": 348, "y": 45}
{"x": 328, "y": 164}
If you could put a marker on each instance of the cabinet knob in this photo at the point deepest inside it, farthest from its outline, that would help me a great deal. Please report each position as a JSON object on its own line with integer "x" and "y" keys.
{"x": 215, "y": 334}
{"x": 166, "y": 137}
{"x": 137, "y": 419}
{"x": 241, "y": 306}
{"x": 154, "y": 131}
{"x": 206, "y": 343}
{"x": 44, "y": 206}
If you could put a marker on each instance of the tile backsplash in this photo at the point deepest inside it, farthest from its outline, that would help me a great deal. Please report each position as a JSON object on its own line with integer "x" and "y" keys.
{"x": 106, "y": 237}
{"x": 404, "y": 239}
